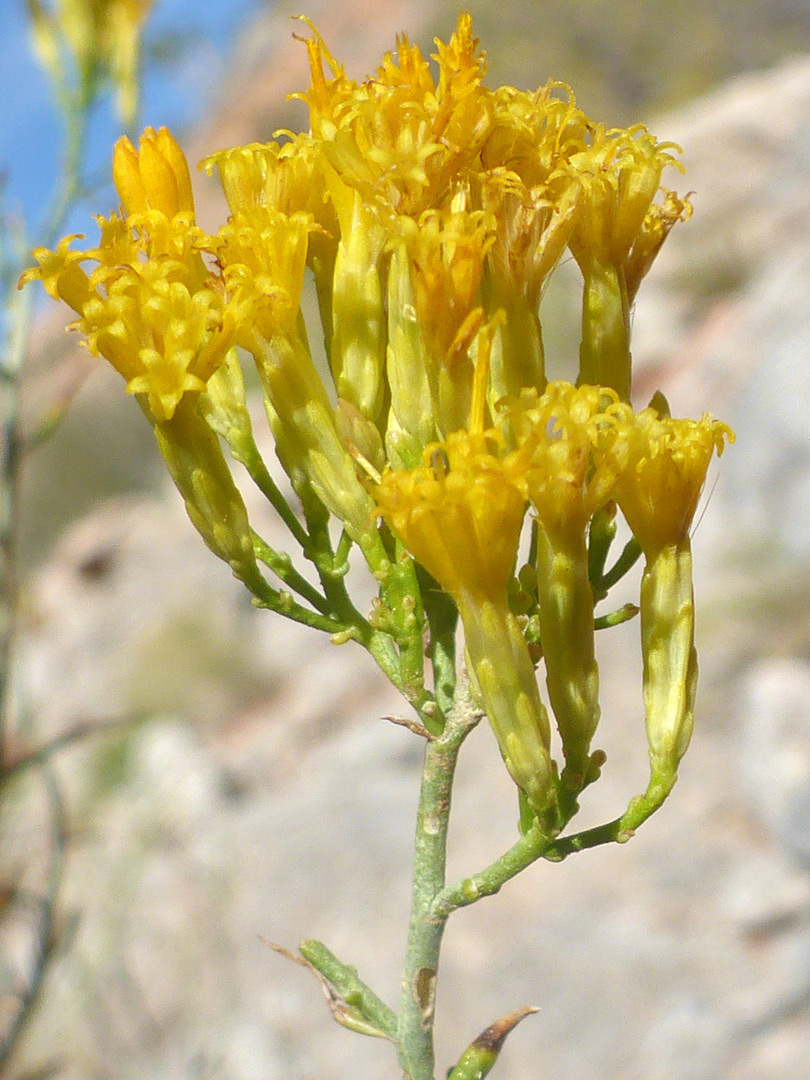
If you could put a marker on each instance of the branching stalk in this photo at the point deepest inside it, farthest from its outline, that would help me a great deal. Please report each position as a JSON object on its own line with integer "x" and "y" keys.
{"x": 417, "y": 1003}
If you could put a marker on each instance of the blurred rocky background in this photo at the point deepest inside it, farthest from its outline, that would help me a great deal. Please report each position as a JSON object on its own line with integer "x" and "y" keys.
{"x": 247, "y": 787}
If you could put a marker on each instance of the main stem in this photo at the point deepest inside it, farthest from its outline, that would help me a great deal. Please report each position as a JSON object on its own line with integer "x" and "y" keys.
{"x": 415, "y": 1028}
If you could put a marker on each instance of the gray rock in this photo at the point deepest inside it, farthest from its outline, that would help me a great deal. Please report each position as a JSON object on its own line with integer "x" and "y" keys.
{"x": 775, "y": 750}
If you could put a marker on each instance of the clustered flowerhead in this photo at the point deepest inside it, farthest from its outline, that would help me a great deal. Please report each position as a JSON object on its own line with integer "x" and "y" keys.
{"x": 428, "y": 210}
{"x": 151, "y": 306}
{"x": 661, "y": 466}
{"x": 460, "y": 500}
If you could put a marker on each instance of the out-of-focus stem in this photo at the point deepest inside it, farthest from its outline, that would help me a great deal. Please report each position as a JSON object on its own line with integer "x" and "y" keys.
{"x": 46, "y": 939}
{"x": 70, "y": 184}
{"x": 10, "y": 367}
{"x": 18, "y": 313}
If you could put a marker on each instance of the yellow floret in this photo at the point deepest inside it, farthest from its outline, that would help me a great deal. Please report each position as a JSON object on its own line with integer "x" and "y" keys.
{"x": 661, "y": 466}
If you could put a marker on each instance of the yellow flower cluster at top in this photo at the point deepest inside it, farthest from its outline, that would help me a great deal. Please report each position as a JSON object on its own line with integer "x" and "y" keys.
{"x": 424, "y": 206}
{"x": 429, "y": 210}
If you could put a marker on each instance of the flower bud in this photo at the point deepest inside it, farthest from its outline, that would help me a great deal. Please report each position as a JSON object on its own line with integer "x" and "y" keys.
{"x": 155, "y": 177}
{"x": 480, "y": 1056}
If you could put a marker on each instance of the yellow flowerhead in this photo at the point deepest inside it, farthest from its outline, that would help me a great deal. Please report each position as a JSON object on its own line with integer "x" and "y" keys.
{"x": 459, "y": 515}
{"x": 555, "y": 463}
{"x": 263, "y": 254}
{"x": 658, "y": 221}
{"x": 61, "y": 273}
{"x": 254, "y": 175}
{"x": 620, "y": 175}
{"x": 154, "y": 185}
{"x": 288, "y": 176}
{"x": 125, "y": 243}
{"x": 447, "y": 249}
{"x": 661, "y": 466}
{"x": 163, "y": 338}
{"x": 401, "y": 137}
{"x": 534, "y": 133}
{"x": 151, "y": 307}
{"x": 532, "y": 228}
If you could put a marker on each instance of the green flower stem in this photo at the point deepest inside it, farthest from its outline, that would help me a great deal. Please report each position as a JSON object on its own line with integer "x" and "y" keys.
{"x": 336, "y": 615}
{"x": 523, "y": 361}
{"x": 403, "y": 595}
{"x": 332, "y": 569}
{"x": 332, "y": 574}
{"x": 618, "y": 831}
{"x": 532, "y": 846}
{"x": 383, "y": 648}
{"x": 348, "y": 622}
{"x": 342, "y": 553}
{"x": 379, "y": 562}
{"x": 616, "y": 618}
{"x": 442, "y": 618}
{"x": 604, "y": 354}
{"x": 415, "y": 1028}
{"x": 630, "y": 555}
{"x": 265, "y": 596}
{"x": 282, "y": 567}
{"x": 261, "y": 477}
{"x": 564, "y": 846}
{"x": 351, "y": 988}
{"x": 601, "y": 534}
{"x": 644, "y": 806}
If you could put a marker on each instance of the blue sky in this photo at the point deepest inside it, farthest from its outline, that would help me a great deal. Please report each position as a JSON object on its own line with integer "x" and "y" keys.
{"x": 30, "y": 133}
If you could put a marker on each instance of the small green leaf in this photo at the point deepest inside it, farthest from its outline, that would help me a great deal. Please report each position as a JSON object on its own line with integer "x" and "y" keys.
{"x": 616, "y": 618}
{"x": 353, "y": 1004}
{"x": 479, "y": 1057}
